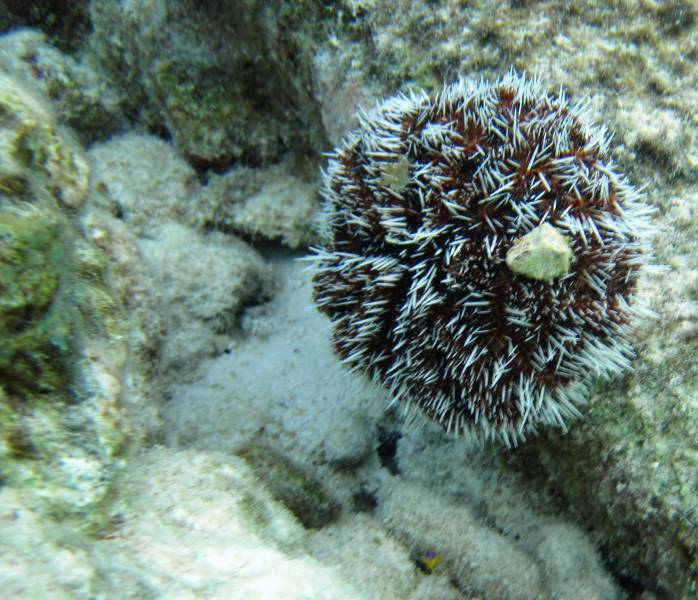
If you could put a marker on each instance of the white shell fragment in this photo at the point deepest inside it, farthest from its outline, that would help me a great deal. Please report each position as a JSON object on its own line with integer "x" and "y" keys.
{"x": 543, "y": 254}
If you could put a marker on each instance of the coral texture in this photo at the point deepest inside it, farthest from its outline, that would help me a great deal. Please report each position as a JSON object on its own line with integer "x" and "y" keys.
{"x": 35, "y": 322}
{"x": 79, "y": 95}
{"x": 221, "y": 102}
{"x": 424, "y": 203}
{"x": 65, "y": 335}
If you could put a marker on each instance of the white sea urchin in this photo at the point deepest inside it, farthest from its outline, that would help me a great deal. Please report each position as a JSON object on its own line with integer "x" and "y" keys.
{"x": 427, "y": 203}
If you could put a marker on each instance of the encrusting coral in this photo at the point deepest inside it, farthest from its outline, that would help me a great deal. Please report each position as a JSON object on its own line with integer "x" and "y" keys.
{"x": 428, "y": 207}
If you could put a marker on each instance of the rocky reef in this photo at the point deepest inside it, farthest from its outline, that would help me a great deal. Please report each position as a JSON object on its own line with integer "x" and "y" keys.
{"x": 63, "y": 435}
{"x": 172, "y": 418}
{"x": 220, "y": 101}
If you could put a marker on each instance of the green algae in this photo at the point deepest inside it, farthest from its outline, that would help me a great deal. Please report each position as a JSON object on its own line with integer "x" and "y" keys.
{"x": 63, "y": 435}
{"x": 36, "y": 322}
{"x": 221, "y": 102}
{"x": 60, "y": 441}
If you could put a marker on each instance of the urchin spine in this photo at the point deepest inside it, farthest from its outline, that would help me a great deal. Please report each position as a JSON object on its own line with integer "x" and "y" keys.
{"x": 423, "y": 204}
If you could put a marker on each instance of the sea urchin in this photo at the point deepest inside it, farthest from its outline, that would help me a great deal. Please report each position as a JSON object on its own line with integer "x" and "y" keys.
{"x": 480, "y": 250}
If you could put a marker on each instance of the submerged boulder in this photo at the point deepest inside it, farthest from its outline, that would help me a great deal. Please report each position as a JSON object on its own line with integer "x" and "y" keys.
{"x": 63, "y": 428}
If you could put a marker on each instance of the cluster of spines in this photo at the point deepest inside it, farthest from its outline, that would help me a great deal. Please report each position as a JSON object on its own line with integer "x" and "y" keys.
{"x": 413, "y": 275}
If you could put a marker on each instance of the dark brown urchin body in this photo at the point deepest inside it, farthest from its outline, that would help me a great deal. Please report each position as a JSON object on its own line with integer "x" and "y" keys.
{"x": 425, "y": 201}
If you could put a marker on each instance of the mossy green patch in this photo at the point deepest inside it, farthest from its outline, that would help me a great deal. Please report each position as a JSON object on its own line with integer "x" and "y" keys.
{"x": 192, "y": 106}
{"x": 222, "y": 103}
{"x": 36, "y": 323}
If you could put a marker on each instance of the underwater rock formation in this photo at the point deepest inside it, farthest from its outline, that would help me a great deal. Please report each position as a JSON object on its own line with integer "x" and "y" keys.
{"x": 64, "y": 333}
{"x": 220, "y": 101}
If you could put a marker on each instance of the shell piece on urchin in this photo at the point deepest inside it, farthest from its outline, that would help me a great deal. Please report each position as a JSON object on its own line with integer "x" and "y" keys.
{"x": 423, "y": 205}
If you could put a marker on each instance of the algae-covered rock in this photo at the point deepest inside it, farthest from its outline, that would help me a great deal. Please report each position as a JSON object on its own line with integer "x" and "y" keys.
{"x": 41, "y": 171}
{"x": 36, "y": 317}
{"x": 228, "y": 80}
{"x": 629, "y": 470}
{"x": 63, "y": 431}
{"x": 66, "y": 22}
{"x": 34, "y": 153}
{"x": 79, "y": 95}
{"x": 264, "y": 203}
{"x": 62, "y": 428}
